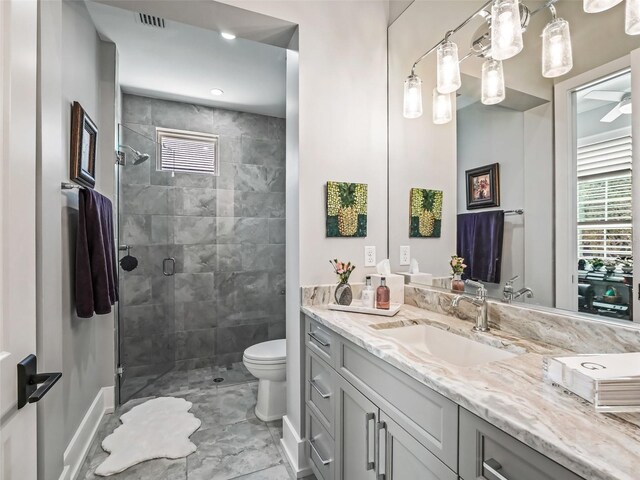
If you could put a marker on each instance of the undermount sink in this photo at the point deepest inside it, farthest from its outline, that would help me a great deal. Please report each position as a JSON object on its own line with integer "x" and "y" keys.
{"x": 447, "y": 346}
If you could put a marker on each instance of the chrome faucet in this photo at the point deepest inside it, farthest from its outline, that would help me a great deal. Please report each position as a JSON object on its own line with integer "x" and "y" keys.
{"x": 479, "y": 300}
{"x": 508, "y": 295}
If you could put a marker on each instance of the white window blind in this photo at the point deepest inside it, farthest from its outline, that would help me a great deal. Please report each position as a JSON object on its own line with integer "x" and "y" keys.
{"x": 604, "y": 199}
{"x": 184, "y": 151}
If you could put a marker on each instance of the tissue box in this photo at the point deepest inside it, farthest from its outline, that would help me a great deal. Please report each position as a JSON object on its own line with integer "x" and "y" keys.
{"x": 420, "y": 278}
{"x": 394, "y": 282}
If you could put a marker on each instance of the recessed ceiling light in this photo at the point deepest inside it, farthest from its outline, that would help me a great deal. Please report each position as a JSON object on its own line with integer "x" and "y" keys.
{"x": 216, "y": 91}
{"x": 228, "y": 36}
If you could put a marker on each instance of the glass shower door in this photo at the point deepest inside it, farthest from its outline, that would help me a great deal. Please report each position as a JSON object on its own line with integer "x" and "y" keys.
{"x": 146, "y": 340}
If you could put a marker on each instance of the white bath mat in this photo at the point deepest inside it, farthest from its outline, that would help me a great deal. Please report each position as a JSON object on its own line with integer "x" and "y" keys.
{"x": 158, "y": 428}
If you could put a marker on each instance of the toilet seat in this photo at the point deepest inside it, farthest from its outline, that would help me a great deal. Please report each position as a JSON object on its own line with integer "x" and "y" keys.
{"x": 267, "y": 353}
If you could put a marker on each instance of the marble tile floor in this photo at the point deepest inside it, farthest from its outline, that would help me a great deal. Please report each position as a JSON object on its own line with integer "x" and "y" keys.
{"x": 232, "y": 443}
{"x": 180, "y": 381}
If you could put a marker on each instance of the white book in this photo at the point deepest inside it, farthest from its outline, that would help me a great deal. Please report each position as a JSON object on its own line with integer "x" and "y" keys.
{"x": 610, "y": 381}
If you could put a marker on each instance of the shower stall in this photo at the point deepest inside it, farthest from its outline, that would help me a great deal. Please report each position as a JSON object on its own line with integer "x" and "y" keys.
{"x": 201, "y": 209}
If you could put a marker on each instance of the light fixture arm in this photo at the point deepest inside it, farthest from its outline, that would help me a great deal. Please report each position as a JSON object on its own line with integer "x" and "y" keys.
{"x": 548, "y": 5}
{"x": 449, "y": 34}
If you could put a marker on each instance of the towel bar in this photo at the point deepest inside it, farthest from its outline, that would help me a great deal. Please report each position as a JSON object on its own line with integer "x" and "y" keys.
{"x": 69, "y": 186}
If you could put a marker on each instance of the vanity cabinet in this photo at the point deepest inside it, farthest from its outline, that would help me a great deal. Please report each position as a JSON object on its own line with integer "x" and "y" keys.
{"x": 367, "y": 420}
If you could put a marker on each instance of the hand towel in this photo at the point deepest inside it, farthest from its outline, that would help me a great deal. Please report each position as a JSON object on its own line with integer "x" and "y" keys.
{"x": 96, "y": 282}
{"x": 480, "y": 244}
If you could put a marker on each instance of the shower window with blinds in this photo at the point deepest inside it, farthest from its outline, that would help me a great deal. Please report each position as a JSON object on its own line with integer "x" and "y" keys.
{"x": 190, "y": 152}
{"x": 604, "y": 203}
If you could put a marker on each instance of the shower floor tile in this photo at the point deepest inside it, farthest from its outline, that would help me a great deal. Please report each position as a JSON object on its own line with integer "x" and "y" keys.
{"x": 232, "y": 443}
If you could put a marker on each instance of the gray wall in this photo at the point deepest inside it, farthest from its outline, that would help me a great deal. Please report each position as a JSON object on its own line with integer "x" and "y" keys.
{"x": 88, "y": 76}
{"x": 226, "y": 233}
{"x": 490, "y": 134}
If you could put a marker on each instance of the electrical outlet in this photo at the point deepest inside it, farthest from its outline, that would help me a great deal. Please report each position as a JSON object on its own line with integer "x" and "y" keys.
{"x": 369, "y": 256}
{"x": 405, "y": 255}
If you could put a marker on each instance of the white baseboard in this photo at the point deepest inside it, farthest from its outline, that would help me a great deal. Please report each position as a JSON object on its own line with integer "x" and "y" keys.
{"x": 78, "y": 448}
{"x": 293, "y": 447}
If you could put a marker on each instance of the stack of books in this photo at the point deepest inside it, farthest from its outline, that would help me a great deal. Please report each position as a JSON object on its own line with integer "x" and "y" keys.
{"x": 610, "y": 381}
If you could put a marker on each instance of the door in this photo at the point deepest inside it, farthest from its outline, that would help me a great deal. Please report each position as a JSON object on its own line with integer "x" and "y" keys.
{"x": 404, "y": 458}
{"x": 146, "y": 310}
{"x": 356, "y": 449}
{"x": 18, "y": 62}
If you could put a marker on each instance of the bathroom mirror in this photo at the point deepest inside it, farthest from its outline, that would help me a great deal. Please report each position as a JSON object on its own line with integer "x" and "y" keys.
{"x": 563, "y": 146}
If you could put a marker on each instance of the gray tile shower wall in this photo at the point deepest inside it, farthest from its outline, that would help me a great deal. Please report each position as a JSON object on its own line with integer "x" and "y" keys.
{"x": 226, "y": 234}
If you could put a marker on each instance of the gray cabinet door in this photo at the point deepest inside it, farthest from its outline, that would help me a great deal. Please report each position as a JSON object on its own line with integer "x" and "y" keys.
{"x": 405, "y": 458}
{"x": 487, "y": 453}
{"x": 355, "y": 434}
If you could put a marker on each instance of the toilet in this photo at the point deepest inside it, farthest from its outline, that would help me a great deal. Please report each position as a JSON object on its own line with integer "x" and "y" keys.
{"x": 267, "y": 362}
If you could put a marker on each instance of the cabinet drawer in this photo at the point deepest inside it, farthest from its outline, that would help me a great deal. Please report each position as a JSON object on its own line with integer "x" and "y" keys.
{"x": 320, "y": 340}
{"x": 320, "y": 448}
{"x": 488, "y": 453}
{"x": 320, "y": 389}
{"x": 428, "y": 416}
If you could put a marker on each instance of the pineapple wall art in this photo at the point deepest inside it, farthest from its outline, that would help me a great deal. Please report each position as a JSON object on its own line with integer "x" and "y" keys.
{"x": 346, "y": 209}
{"x": 425, "y": 213}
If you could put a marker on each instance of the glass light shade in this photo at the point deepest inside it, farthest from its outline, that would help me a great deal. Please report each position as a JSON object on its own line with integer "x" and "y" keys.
{"x": 632, "y": 17}
{"x": 441, "y": 107}
{"x": 506, "y": 29}
{"x": 448, "y": 68}
{"x": 557, "y": 57}
{"x": 595, "y": 6}
{"x": 412, "y": 97}
{"x": 492, "y": 82}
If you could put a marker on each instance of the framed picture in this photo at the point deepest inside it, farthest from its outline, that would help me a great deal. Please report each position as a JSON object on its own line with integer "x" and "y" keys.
{"x": 483, "y": 187}
{"x": 84, "y": 141}
{"x": 425, "y": 213}
{"x": 346, "y": 209}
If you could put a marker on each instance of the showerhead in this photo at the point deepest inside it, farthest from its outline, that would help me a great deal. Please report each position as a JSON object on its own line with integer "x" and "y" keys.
{"x": 138, "y": 157}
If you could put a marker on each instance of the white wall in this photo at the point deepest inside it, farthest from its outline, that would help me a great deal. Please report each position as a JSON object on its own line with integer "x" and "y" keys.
{"x": 539, "y": 258}
{"x": 75, "y": 65}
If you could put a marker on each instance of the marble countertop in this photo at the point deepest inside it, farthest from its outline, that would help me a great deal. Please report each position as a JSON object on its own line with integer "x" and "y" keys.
{"x": 510, "y": 394}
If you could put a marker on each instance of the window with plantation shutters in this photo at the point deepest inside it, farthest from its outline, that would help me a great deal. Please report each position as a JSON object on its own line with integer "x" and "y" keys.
{"x": 183, "y": 151}
{"x": 604, "y": 199}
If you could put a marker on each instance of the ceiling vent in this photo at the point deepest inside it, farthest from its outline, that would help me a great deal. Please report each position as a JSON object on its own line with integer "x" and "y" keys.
{"x": 151, "y": 20}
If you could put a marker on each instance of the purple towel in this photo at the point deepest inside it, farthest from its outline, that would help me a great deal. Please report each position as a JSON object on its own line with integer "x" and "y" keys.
{"x": 480, "y": 244}
{"x": 96, "y": 282}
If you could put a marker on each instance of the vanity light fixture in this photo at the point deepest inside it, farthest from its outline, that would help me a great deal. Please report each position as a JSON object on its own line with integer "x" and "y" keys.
{"x": 632, "y": 17}
{"x": 441, "y": 107}
{"x": 506, "y": 29}
{"x": 448, "y": 67}
{"x": 506, "y": 20}
{"x": 492, "y": 82}
{"x": 412, "y": 97}
{"x": 557, "y": 56}
{"x": 216, "y": 91}
{"x": 227, "y": 35}
{"x": 596, "y": 6}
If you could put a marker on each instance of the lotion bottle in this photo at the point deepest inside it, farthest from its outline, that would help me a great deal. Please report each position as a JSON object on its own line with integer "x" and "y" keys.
{"x": 382, "y": 295}
{"x": 368, "y": 294}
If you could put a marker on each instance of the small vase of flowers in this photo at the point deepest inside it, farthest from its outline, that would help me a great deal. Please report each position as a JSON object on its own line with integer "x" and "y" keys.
{"x": 457, "y": 267}
{"x": 610, "y": 266}
{"x": 344, "y": 294}
{"x": 627, "y": 264}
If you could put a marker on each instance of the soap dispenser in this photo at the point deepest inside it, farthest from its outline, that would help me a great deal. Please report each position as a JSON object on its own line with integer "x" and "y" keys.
{"x": 382, "y": 295}
{"x": 368, "y": 294}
